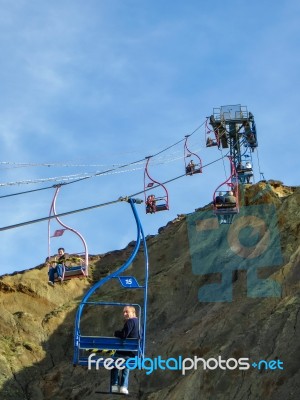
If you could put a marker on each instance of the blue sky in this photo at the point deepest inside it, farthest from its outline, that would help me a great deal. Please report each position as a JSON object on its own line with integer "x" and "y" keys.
{"x": 86, "y": 85}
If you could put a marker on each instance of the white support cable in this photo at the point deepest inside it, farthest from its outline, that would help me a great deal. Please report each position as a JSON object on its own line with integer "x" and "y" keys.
{"x": 82, "y": 176}
{"x": 21, "y": 165}
{"x": 86, "y": 175}
{"x": 66, "y": 178}
{"x": 41, "y": 180}
{"x": 4, "y": 228}
{"x": 71, "y": 165}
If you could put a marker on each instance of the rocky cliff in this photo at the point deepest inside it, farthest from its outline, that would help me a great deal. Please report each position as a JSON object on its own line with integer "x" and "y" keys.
{"x": 215, "y": 292}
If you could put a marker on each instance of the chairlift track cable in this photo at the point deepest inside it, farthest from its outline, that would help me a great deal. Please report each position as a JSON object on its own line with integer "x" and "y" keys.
{"x": 4, "y": 228}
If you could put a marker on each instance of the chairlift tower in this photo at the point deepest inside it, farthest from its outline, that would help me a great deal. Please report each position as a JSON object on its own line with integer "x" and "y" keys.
{"x": 235, "y": 130}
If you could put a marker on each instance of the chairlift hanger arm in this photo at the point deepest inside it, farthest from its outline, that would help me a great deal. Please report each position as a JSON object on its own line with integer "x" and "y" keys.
{"x": 91, "y": 291}
{"x": 228, "y": 181}
{"x": 188, "y": 153}
{"x": 53, "y": 212}
{"x": 140, "y": 236}
{"x": 147, "y": 175}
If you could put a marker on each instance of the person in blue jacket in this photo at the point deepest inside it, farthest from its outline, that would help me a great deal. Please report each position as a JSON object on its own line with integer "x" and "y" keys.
{"x": 119, "y": 384}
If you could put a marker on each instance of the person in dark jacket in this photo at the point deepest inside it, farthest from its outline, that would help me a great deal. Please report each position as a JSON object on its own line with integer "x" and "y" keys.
{"x": 151, "y": 204}
{"x": 58, "y": 267}
{"x": 119, "y": 384}
{"x": 190, "y": 169}
{"x": 219, "y": 200}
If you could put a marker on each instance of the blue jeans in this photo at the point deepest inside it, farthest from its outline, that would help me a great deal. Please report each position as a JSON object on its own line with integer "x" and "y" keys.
{"x": 121, "y": 380}
{"x": 58, "y": 269}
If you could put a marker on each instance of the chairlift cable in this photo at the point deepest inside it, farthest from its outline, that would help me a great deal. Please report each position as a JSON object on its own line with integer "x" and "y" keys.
{"x": 97, "y": 174}
{"x": 110, "y": 169}
{"x": 59, "y": 215}
{"x": 4, "y": 228}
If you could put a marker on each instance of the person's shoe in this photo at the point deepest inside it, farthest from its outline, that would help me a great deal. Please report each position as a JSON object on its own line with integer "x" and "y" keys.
{"x": 115, "y": 389}
{"x": 124, "y": 390}
{"x": 51, "y": 283}
{"x": 60, "y": 279}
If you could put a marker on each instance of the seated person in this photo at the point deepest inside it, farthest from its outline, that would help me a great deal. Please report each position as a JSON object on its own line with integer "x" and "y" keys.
{"x": 251, "y": 138}
{"x": 230, "y": 198}
{"x": 210, "y": 142}
{"x": 57, "y": 267}
{"x": 151, "y": 204}
{"x": 248, "y": 168}
{"x": 219, "y": 199}
{"x": 240, "y": 167}
{"x": 120, "y": 378}
{"x": 190, "y": 167}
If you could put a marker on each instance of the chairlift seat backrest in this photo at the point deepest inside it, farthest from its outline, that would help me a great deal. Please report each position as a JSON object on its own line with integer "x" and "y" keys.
{"x": 162, "y": 207}
{"x": 92, "y": 344}
{"x": 108, "y": 343}
{"x": 72, "y": 272}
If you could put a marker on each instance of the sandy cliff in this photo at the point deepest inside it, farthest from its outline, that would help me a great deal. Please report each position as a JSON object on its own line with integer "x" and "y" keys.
{"x": 229, "y": 291}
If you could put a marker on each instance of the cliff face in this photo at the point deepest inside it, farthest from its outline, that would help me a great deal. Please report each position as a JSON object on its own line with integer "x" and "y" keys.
{"x": 228, "y": 291}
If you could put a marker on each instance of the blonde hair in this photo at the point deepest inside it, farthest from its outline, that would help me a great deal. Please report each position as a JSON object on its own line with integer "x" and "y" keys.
{"x": 130, "y": 308}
